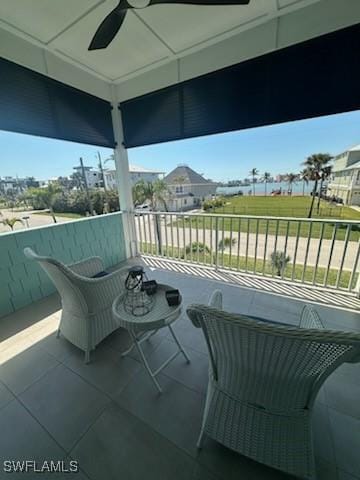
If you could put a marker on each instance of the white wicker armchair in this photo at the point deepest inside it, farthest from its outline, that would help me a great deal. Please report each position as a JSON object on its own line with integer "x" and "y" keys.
{"x": 263, "y": 381}
{"x": 86, "y": 316}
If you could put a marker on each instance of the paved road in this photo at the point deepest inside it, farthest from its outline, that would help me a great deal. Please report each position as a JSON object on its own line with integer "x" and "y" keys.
{"x": 303, "y": 249}
{"x": 35, "y": 220}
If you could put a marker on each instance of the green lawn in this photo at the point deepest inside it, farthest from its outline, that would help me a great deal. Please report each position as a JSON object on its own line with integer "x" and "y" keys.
{"x": 285, "y": 206}
{"x": 278, "y": 207}
{"x": 62, "y": 214}
{"x": 258, "y": 267}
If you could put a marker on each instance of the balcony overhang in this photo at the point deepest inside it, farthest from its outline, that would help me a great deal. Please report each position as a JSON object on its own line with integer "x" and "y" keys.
{"x": 169, "y": 46}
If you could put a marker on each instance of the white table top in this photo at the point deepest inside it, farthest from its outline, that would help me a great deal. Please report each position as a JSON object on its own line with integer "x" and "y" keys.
{"x": 160, "y": 315}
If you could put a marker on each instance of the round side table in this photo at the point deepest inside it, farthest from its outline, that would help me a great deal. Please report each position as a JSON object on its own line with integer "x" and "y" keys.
{"x": 142, "y": 328}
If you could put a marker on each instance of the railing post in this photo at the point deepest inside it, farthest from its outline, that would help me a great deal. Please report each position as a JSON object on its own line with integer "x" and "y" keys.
{"x": 216, "y": 242}
{"x": 357, "y": 288}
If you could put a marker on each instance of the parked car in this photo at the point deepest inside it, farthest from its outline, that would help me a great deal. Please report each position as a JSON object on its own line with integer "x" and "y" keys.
{"x": 140, "y": 209}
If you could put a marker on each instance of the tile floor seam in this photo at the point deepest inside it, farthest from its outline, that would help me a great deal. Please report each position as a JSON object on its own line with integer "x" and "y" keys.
{"x": 339, "y": 470}
{"x": 94, "y": 385}
{"x": 34, "y": 382}
{"x": 170, "y": 339}
{"x": 151, "y": 427}
{"x": 41, "y": 425}
{"x": 6, "y": 404}
{"x": 332, "y": 407}
{"x": 341, "y": 413}
{"x": 331, "y": 430}
{"x": 62, "y": 448}
{"x": 138, "y": 419}
{"x": 68, "y": 452}
{"x": 163, "y": 372}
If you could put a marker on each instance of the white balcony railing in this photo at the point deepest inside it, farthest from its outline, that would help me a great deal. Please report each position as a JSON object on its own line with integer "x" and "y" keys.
{"x": 324, "y": 253}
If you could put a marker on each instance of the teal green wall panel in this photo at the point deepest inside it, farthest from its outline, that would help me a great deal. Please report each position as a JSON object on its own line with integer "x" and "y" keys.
{"x": 23, "y": 281}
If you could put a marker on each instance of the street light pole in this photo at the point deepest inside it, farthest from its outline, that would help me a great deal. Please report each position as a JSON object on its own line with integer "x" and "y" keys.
{"x": 86, "y": 186}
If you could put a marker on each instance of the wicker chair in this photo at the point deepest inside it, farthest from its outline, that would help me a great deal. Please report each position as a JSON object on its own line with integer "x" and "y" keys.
{"x": 263, "y": 380}
{"x": 86, "y": 316}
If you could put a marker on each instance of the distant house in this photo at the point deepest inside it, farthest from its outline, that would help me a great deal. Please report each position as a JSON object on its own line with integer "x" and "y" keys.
{"x": 16, "y": 185}
{"x": 188, "y": 189}
{"x": 136, "y": 175}
{"x": 345, "y": 181}
{"x": 93, "y": 177}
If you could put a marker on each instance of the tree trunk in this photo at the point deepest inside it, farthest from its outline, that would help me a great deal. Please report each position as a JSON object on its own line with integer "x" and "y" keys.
{"x": 265, "y": 188}
{"x": 303, "y": 188}
{"x": 318, "y": 203}
{"x": 313, "y": 199}
{"x": 158, "y": 233}
{"x": 52, "y": 214}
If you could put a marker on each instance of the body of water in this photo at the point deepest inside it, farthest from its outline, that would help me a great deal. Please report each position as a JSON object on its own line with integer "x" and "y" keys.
{"x": 297, "y": 188}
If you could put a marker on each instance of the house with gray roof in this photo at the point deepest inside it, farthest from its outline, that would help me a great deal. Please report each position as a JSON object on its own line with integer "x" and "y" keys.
{"x": 188, "y": 189}
{"x": 345, "y": 181}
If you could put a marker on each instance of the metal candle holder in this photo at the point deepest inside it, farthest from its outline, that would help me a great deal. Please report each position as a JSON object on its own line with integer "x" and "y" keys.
{"x": 137, "y": 301}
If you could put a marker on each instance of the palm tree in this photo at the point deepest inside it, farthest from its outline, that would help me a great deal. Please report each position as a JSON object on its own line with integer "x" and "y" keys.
{"x": 315, "y": 165}
{"x": 304, "y": 177}
{"x": 155, "y": 193}
{"x": 279, "y": 261}
{"x": 291, "y": 178}
{"x": 46, "y": 196}
{"x": 10, "y": 222}
{"x": 110, "y": 159}
{"x": 254, "y": 172}
{"x": 266, "y": 177}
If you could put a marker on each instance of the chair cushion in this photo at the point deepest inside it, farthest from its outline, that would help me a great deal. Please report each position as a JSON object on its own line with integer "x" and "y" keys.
{"x": 100, "y": 274}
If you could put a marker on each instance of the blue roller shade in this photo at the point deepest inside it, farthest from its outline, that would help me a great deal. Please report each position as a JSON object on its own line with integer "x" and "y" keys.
{"x": 37, "y": 105}
{"x": 314, "y": 78}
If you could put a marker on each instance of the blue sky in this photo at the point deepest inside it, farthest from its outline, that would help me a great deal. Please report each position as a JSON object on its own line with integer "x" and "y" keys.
{"x": 277, "y": 149}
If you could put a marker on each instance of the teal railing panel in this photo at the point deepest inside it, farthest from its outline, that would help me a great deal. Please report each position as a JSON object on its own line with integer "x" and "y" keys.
{"x": 23, "y": 282}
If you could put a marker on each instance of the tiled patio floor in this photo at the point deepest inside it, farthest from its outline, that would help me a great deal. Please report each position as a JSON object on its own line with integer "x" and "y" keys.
{"x": 108, "y": 416}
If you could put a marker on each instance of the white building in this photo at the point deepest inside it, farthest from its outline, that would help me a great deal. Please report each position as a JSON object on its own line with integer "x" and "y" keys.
{"x": 136, "y": 175}
{"x": 345, "y": 181}
{"x": 16, "y": 185}
{"x": 93, "y": 177}
{"x": 188, "y": 189}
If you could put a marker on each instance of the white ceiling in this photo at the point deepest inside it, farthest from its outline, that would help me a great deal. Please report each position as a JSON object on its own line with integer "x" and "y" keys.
{"x": 148, "y": 36}
{"x": 55, "y": 35}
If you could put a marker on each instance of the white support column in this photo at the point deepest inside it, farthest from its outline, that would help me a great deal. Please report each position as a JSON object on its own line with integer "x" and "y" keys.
{"x": 124, "y": 183}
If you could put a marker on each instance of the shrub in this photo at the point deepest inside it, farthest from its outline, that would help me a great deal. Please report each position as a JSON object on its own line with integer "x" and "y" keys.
{"x": 226, "y": 243}
{"x": 77, "y": 202}
{"x": 195, "y": 247}
{"x": 214, "y": 203}
{"x": 279, "y": 261}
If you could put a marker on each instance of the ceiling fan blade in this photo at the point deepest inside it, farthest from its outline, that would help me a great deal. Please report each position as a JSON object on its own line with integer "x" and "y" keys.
{"x": 201, "y": 2}
{"x": 109, "y": 27}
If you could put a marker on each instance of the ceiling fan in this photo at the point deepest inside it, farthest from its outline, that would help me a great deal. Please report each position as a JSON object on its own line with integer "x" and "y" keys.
{"x": 112, "y": 22}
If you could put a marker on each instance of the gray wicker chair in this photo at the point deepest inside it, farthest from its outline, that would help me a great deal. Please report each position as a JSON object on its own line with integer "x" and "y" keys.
{"x": 263, "y": 380}
{"x": 86, "y": 316}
